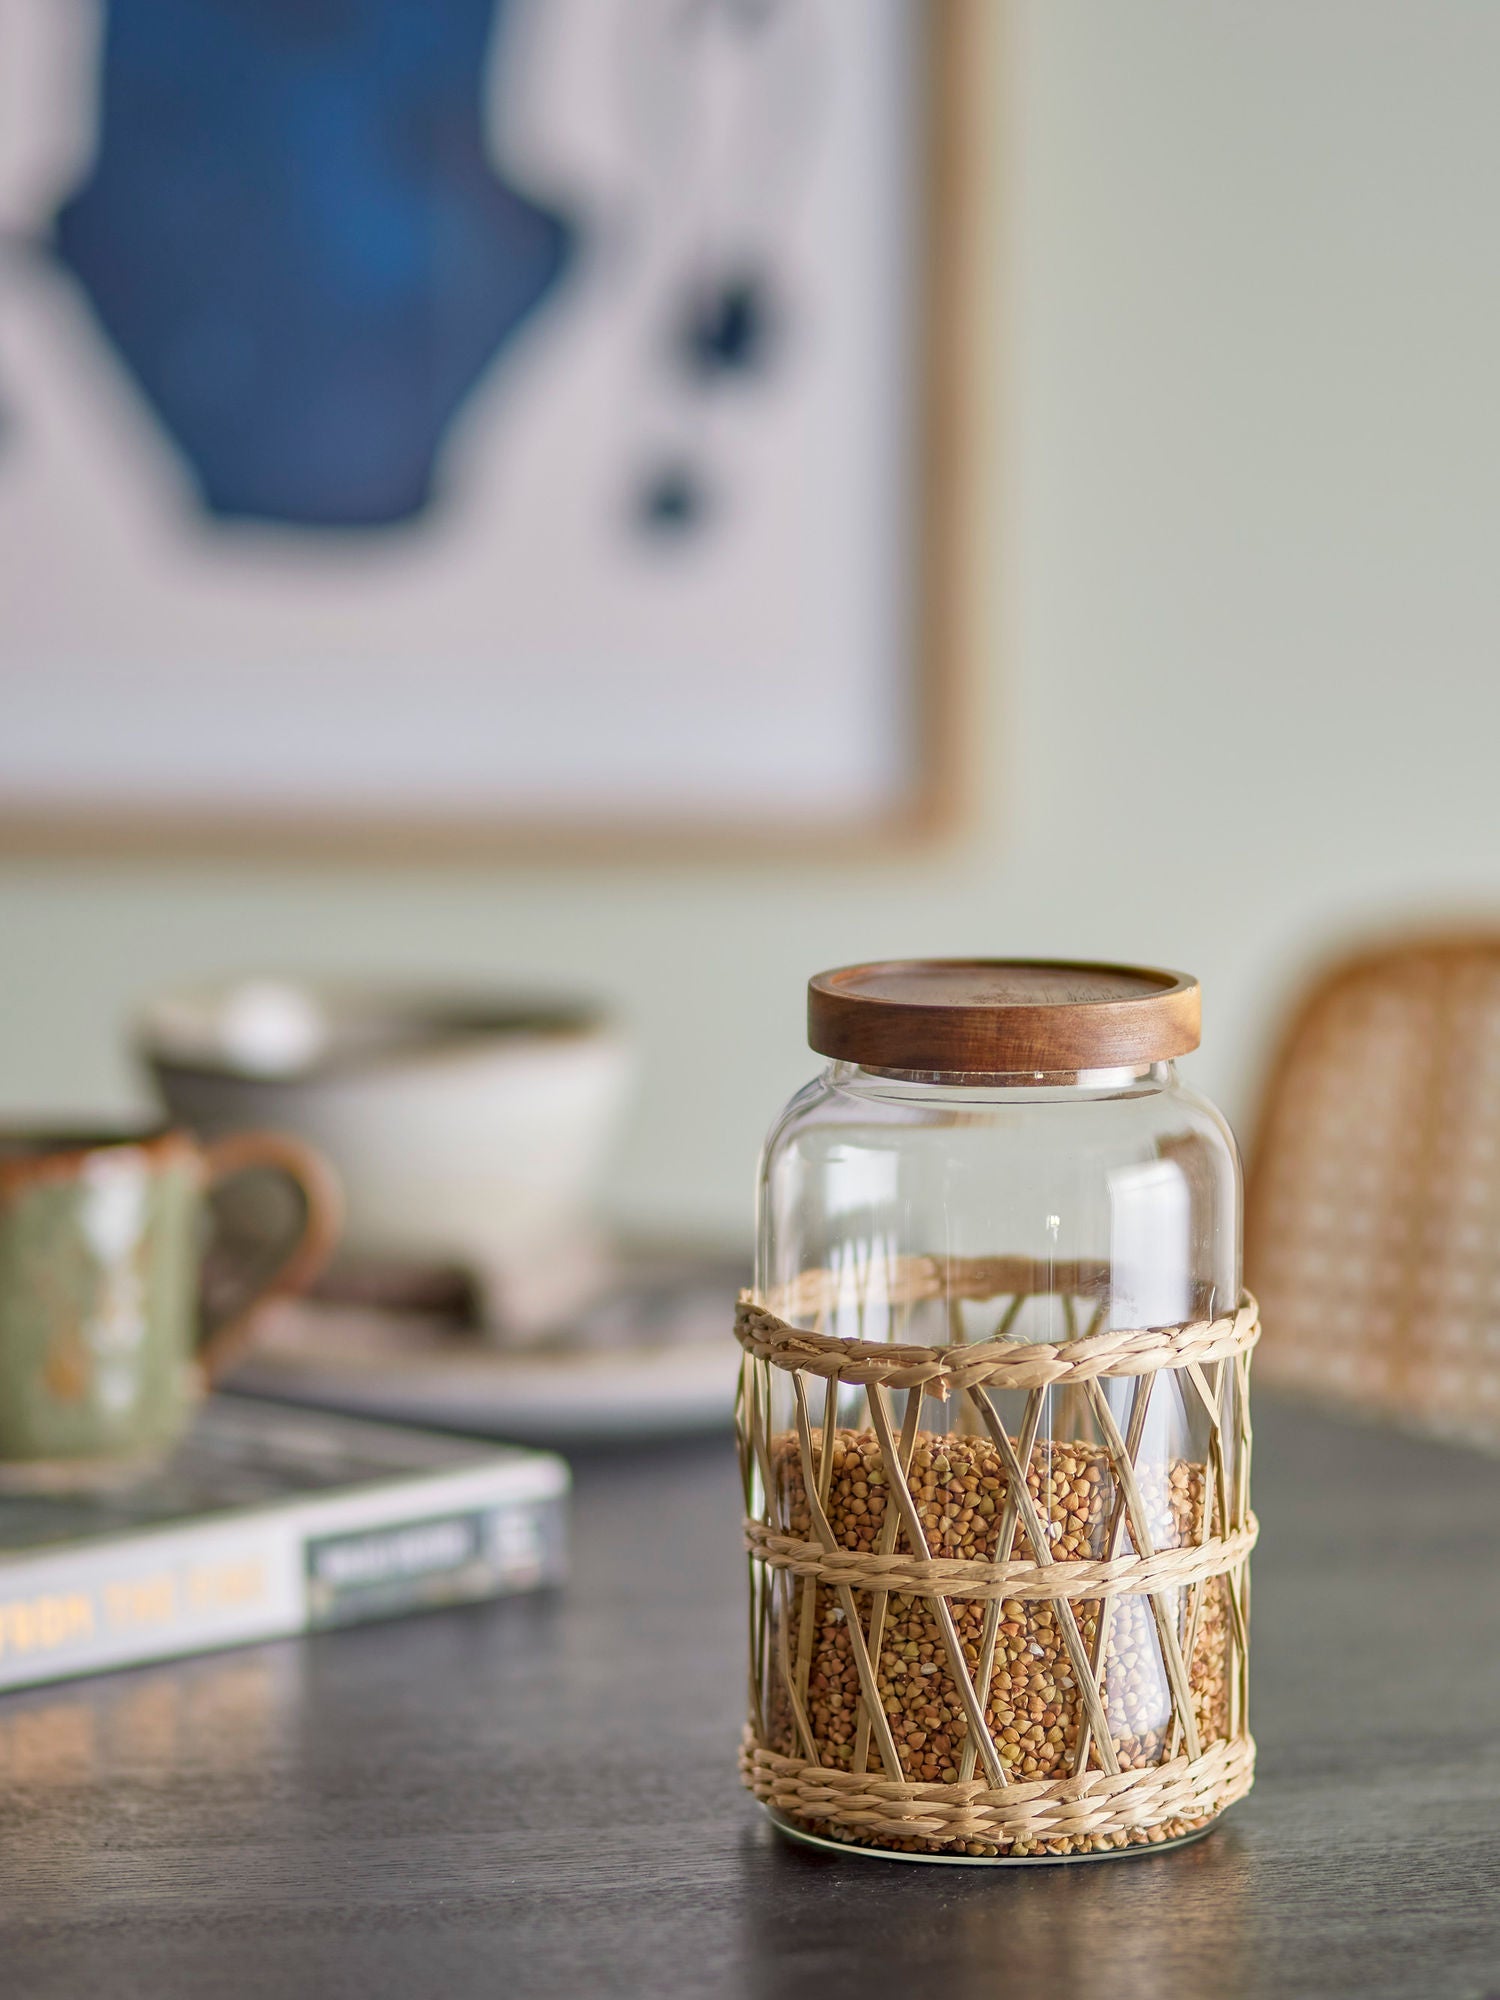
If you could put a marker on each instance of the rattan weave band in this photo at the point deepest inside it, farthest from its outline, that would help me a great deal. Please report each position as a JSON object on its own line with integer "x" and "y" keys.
{"x": 1093, "y": 1805}
{"x": 997, "y": 1364}
{"x": 1168, "y": 1569}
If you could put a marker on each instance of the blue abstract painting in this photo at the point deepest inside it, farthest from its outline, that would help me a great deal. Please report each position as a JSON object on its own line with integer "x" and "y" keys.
{"x": 462, "y": 415}
{"x": 295, "y": 238}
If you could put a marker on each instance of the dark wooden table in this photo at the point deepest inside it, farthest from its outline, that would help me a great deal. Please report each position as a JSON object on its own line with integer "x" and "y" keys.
{"x": 539, "y": 1797}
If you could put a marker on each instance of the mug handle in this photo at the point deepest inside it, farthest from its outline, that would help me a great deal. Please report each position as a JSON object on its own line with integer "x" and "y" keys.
{"x": 323, "y": 1214}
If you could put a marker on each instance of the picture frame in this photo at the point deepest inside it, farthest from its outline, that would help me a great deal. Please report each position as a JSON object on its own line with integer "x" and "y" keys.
{"x": 943, "y": 508}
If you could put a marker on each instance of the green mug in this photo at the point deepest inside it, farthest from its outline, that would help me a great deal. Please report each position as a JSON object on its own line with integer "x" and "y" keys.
{"x": 106, "y": 1342}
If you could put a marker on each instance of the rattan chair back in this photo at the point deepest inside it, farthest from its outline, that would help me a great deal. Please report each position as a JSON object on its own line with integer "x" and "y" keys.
{"x": 1373, "y": 1201}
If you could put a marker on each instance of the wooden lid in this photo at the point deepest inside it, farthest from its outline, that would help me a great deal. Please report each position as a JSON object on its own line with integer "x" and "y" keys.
{"x": 1001, "y": 1016}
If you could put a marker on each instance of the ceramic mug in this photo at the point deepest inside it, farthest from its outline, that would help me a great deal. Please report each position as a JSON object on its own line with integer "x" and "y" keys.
{"x": 105, "y": 1343}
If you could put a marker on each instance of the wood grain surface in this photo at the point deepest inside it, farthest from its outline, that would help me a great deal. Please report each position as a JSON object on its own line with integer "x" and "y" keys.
{"x": 538, "y": 1798}
{"x": 1001, "y": 1016}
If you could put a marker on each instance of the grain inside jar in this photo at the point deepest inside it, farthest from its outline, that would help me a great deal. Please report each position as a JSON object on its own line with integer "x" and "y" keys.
{"x": 1033, "y": 1704}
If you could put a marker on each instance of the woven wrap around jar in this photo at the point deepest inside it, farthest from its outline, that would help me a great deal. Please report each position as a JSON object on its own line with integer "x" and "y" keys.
{"x": 855, "y": 1782}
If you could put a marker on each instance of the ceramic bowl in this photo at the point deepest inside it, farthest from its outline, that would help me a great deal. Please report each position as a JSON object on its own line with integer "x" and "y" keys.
{"x": 468, "y": 1129}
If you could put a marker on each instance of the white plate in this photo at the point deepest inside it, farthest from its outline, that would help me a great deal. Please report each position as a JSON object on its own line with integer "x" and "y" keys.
{"x": 645, "y": 1364}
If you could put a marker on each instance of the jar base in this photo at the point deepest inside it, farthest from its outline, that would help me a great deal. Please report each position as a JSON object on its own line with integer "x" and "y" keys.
{"x": 789, "y": 1830}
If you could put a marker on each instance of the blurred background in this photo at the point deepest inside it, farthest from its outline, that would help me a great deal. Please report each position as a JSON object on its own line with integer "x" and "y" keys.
{"x": 1221, "y": 614}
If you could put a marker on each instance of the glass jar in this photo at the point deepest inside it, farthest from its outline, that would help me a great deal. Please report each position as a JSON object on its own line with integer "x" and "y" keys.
{"x": 994, "y": 1422}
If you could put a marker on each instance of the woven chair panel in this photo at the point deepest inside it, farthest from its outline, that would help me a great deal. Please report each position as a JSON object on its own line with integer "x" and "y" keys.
{"x": 1373, "y": 1210}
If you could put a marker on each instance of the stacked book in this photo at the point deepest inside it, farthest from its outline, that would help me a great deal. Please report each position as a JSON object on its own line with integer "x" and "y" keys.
{"x": 269, "y": 1521}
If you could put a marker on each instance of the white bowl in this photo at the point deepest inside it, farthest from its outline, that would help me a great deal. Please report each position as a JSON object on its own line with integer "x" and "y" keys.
{"x": 467, "y": 1129}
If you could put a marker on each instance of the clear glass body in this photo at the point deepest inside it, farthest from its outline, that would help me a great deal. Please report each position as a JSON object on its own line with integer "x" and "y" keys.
{"x": 1128, "y": 1168}
{"x": 1043, "y": 1208}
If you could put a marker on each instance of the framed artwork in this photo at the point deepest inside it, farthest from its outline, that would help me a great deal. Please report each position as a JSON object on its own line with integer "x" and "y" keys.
{"x": 427, "y": 424}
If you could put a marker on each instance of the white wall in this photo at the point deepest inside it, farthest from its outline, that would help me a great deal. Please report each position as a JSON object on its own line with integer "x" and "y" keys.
{"x": 1241, "y": 696}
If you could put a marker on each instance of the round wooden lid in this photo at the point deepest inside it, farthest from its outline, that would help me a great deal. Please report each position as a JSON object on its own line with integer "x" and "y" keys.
{"x": 1001, "y": 1016}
